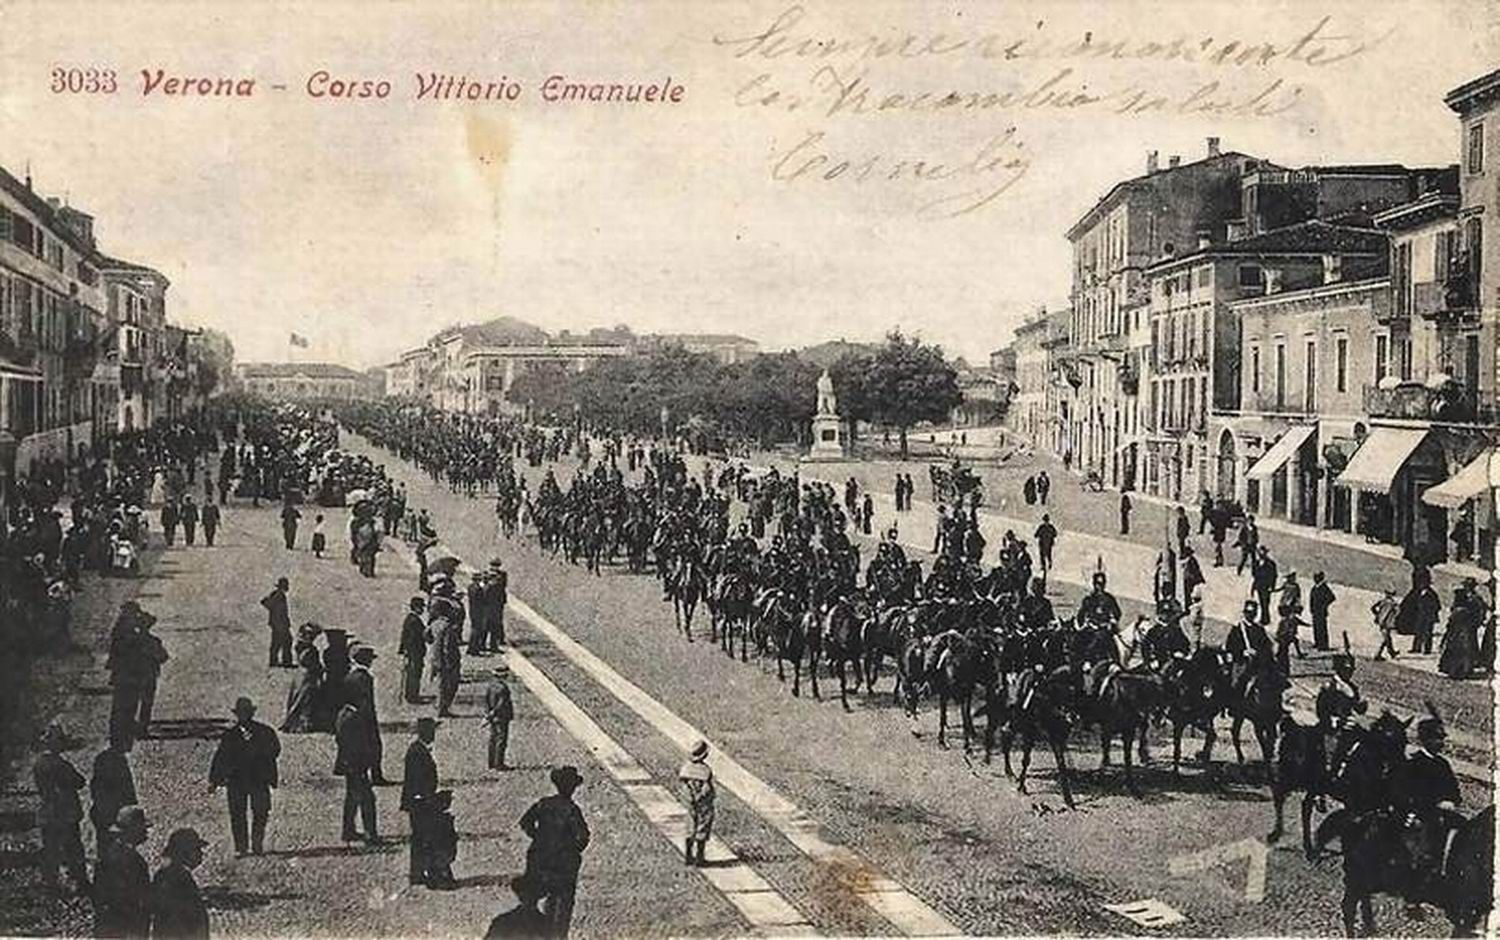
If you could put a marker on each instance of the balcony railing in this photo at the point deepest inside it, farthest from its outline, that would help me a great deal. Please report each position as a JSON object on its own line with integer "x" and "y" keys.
{"x": 1453, "y": 402}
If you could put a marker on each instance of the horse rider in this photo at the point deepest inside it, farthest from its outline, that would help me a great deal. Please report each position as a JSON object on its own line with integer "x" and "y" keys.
{"x": 1247, "y": 642}
{"x": 1035, "y": 610}
{"x": 1427, "y": 789}
{"x": 1099, "y": 607}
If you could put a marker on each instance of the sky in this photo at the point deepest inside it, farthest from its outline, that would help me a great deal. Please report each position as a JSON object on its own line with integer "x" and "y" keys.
{"x": 806, "y": 186}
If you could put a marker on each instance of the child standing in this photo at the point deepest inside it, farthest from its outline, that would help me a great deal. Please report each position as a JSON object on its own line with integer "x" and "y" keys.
{"x": 319, "y": 540}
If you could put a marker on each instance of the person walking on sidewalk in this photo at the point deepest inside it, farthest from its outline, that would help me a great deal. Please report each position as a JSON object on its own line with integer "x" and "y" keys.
{"x": 1263, "y": 581}
{"x": 245, "y": 764}
{"x": 122, "y": 888}
{"x": 418, "y": 786}
{"x": 1319, "y": 599}
{"x": 111, "y": 787}
{"x": 1184, "y": 529}
{"x": 353, "y": 762}
{"x": 1046, "y": 537}
{"x": 169, "y": 519}
{"x": 59, "y": 811}
{"x": 1192, "y": 574}
{"x": 210, "y": 517}
{"x": 1124, "y": 513}
{"x": 1218, "y": 527}
{"x": 499, "y": 589}
{"x": 698, "y": 792}
{"x": 413, "y": 650}
{"x": 499, "y": 712}
{"x": 558, "y": 836}
{"x": 153, "y": 655}
{"x": 177, "y": 908}
{"x": 280, "y": 621}
{"x": 1385, "y": 610}
{"x": 1420, "y": 610}
{"x": 189, "y": 516}
{"x": 1043, "y": 485}
{"x": 1205, "y": 510}
{"x": 1289, "y": 613}
{"x": 289, "y": 517}
{"x": 1248, "y": 542}
{"x": 358, "y": 689}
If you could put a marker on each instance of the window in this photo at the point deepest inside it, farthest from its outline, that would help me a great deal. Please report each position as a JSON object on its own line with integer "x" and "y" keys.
{"x": 1443, "y": 255}
{"x": 1341, "y": 362}
{"x": 1471, "y": 361}
{"x": 1310, "y": 394}
{"x": 1474, "y": 244}
{"x": 1255, "y": 369}
{"x": 1403, "y": 357}
{"x": 1203, "y": 401}
{"x": 1203, "y": 276}
{"x": 1251, "y": 275}
{"x": 1401, "y": 278}
{"x": 1474, "y": 159}
{"x": 1280, "y": 376}
{"x": 1382, "y": 358}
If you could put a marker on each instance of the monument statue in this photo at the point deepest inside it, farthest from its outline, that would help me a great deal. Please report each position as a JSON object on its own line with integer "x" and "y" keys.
{"x": 827, "y": 403}
{"x": 827, "y": 429}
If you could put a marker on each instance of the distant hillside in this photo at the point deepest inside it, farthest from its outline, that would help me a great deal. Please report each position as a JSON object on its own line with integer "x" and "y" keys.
{"x": 826, "y": 354}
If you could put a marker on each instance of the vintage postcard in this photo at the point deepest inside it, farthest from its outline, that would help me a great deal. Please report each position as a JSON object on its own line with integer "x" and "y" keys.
{"x": 763, "y": 468}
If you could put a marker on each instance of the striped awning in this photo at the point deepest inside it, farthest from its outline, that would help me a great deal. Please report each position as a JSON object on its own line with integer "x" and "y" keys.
{"x": 1385, "y": 451}
{"x": 1463, "y": 486}
{"x": 1280, "y": 452}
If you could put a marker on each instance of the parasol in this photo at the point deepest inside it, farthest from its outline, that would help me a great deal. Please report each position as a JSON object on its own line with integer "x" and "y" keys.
{"x": 356, "y": 496}
{"x": 444, "y": 564}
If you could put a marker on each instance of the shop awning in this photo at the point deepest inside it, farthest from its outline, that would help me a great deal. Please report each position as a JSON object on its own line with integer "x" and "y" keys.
{"x": 1281, "y": 451}
{"x": 1463, "y": 486}
{"x": 1375, "y": 465}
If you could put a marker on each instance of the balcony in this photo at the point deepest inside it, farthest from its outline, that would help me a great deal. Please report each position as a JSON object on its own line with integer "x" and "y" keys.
{"x": 1417, "y": 402}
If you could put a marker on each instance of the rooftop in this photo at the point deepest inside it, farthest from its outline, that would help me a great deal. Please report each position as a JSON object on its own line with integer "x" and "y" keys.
{"x": 1472, "y": 93}
{"x": 1313, "y": 237}
{"x": 287, "y": 370}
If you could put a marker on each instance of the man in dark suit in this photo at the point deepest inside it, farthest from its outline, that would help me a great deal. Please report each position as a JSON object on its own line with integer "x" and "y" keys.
{"x": 353, "y": 762}
{"x": 1319, "y": 600}
{"x": 1247, "y": 642}
{"x": 177, "y": 908}
{"x": 246, "y": 764}
{"x": 418, "y": 786}
{"x": 280, "y": 622}
{"x": 1263, "y": 580}
{"x": 122, "y": 885}
{"x": 499, "y": 586}
{"x": 413, "y": 650}
{"x": 359, "y": 691}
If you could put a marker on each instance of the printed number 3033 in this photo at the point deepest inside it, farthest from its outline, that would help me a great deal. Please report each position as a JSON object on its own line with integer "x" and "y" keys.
{"x": 76, "y": 81}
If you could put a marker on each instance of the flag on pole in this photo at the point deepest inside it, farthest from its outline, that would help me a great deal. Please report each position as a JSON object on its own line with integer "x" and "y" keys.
{"x": 297, "y": 340}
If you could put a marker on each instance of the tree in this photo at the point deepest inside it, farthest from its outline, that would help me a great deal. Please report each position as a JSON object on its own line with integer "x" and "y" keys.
{"x": 215, "y": 361}
{"x": 549, "y": 389}
{"x": 907, "y": 382}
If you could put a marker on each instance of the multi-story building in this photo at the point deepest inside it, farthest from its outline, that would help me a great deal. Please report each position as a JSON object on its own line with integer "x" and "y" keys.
{"x": 1062, "y": 387}
{"x": 51, "y": 303}
{"x": 728, "y": 348}
{"x": 1113, "y": 244}
{"x": 1028, "y": 414}
{"x": 137, "y": 309}
{"x": 303, "y": 381}
{"x": 1196, "y": 357}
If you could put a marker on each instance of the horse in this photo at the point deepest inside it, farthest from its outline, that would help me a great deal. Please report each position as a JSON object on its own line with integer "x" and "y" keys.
{"x": 782, "y": 624}
{"x": 952, "y": 679}
{"x": 1119, "y": 701}
{"x": 686, "y": 582}
{"x": 843, "y": 636}
{"x": 1258, "y": 700}
{"x": 1378, "y": 860}
{"x": 1041, "y": 704}
{"x": 1366, "y": 760}
{"x": 1196, "y": 691}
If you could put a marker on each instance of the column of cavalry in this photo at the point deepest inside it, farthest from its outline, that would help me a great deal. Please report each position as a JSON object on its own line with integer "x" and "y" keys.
{"x": 770, "y": 559}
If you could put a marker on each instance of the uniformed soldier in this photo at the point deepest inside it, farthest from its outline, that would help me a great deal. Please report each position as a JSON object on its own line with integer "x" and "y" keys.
{"x": 59, "y": 811}
{"x": 1247, "y": 642}
{"x": 1035, "y": 609}
{"x": 559, "y": 836}
{"x": 177, "y": 908}
{"x": 122, "y": 890}
{"x": 1099, "y": 607}
{"x": 499, "y": 712}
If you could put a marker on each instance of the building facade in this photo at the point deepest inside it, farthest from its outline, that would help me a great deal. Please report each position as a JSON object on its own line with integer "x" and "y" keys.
{"x": 303, "y": 381}
{"x": 1028, "y": 414}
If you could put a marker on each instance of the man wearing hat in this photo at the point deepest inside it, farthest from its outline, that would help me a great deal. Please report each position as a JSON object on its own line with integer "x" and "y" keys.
{"x": 1246, "y": 643}
{"x": 1263, "y": 575}
{"x": 499, "y": 712}
{"x": 359, "y": 691}
{"x": 413, "y": 650}
{"x": 499, "y": 591}
{"x": 177, "y": 908}
{"x": 59, "y": 811}
{"x": 245, "y": 763}
{"x": 418, "y": 784}
{"x": 279, "y": 619}
{"x": 353, "y": 762}
{"x": 446, "y": 623}
{"x": 1289, "y": 614}
{"x": 558, "y": 835}
{"x": 122, "y": 887}
{"x": 698, "y": 790}
{"x": 479, "y": 618}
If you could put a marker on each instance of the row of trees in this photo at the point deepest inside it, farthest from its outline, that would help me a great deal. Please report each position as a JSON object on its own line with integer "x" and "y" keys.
{"x": 768, "y": 399}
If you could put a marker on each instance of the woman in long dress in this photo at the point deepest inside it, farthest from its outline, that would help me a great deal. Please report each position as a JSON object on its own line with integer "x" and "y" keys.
{"x": 1460, "y": 644}
{"x": 158, "y": 488}
{"x": 302, "y": 698}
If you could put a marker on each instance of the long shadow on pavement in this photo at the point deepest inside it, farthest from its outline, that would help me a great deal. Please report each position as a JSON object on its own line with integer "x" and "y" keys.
{"x": 224, "y": 898}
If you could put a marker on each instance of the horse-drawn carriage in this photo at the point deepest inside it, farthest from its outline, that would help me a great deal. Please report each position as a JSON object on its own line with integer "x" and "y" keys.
{"x": 956, "y": 486}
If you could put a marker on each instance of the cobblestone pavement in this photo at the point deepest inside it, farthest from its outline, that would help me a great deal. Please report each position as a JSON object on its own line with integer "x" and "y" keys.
{"x": 949, "y": 828}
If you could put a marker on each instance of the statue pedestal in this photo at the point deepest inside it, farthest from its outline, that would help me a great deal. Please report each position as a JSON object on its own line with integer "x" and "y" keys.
{"x": 828, "y": 438}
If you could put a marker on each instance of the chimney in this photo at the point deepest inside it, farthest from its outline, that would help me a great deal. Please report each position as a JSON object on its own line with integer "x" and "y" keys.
{"x": 1273, "y": 280}
{"x": 1173, "y": 162}
{"x": 1213, "y": 147}
{"x": 1204, "y": 242}
{"x": 1152, "y": 164}
{"x": 1333, "y": 268}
